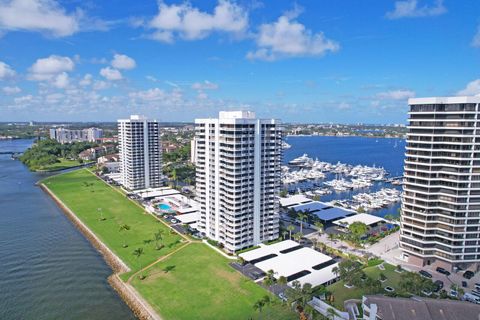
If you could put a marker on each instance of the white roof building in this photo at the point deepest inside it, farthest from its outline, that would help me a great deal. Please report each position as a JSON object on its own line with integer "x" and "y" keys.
{"x": 366, "y": 218}
{"x": 294, "y": 200}
{"x": 294, "y": 262}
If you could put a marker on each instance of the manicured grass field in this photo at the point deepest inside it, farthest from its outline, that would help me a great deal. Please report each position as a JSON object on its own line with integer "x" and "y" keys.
{"x": 201, "y": 285}
{"x": 63, "y": 164}
{"x": 342, "y": 293}
{"x": 84, "y": 193}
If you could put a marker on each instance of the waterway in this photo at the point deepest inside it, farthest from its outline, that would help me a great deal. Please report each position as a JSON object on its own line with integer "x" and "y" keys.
{"x": 383, "y": 152}
{"x": 48, "y": 270}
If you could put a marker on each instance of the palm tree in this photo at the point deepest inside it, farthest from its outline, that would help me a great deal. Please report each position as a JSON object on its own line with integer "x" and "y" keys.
{"x": 298, "y": 236}
{"x": 319, "y": 226}
{"x": 282, "y": 280}
{"x": 124, "y": 227}
{"x": 138, "y": 253}
{"x": 284, "y": 234}
{"x": 258, "y": 306}
{"x": 301, "y": 217}
{"x": 102, "y": 218}
{"x": 314, "y": 243}
{"x": 158, "y": 236}
{"x": 290, "y": 228}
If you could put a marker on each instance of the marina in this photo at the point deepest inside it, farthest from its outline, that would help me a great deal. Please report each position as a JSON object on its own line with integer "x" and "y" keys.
{"x": 340, "y": 172}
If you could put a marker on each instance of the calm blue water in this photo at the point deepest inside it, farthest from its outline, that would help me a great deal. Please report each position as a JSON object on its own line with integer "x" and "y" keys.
{"x": 382, "y": 152}
{"x": 48, "y": 270}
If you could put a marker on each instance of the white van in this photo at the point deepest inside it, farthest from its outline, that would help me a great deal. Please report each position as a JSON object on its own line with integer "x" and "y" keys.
{"x": 472, "y": 298}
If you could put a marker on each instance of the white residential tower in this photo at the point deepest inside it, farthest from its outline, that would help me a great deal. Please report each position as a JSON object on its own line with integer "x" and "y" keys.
{"x": 140, "y": 153}
{"x": 238, "y": 167}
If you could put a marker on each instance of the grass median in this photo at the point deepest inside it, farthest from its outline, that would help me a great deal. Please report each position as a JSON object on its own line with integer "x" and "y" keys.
{"x": 105, "y": 210}
{"x": 197, "y": 283}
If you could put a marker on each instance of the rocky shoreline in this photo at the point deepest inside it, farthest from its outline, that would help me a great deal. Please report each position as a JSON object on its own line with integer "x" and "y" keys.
{"x": 135, "y": 302}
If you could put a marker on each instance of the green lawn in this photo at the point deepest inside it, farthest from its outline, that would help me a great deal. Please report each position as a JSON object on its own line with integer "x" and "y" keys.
{"x": 201, "y": 285}
{"x": 84, "y": 193}
{"x": 63, "y": 164}
{"x": 342, "y": 293}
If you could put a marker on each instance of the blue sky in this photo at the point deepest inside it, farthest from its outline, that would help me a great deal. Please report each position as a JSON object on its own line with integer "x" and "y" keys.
{"x": 307, "y": 61}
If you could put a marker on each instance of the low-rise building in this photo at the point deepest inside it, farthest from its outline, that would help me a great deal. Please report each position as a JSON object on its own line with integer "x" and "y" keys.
{"x": 378, "y": 307}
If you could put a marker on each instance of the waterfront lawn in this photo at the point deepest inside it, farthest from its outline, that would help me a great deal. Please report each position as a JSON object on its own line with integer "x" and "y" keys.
{"x": 341, "y": 293}
{"x": 62, "y": 164}
{"x": 84, "y": 193}
{"x": 198, "y": 283}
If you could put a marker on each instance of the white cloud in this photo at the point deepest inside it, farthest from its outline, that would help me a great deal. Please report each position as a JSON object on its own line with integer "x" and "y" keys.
{"x": 149, "y": 95}
{"x": 396, "y": 95}
{"x": 472, "y": 89}
{"x": 192, "y": 24}
{"x": 86, "y": 80}
{"x": 410, "y": 9}
{"x": 48, "y": 68}
{"x": 202, "y": 95}
{"x": 37, "y": 15}
{"x": 288, "y": 38}
{"x": 6, "y": 71}
{"x": 61, "y": 81}
{"x": 101, "y": 85}
{"x": 206, "y": 85}
{"x": 151, "y": 78}
{"x": 23, "y": 99}
{"x": 111, "y": 74}
{"x": 344, "y": 106}
{"x": 11, "y": 90}
{"x": 121, "y": 61}
{"x": 171, "y": 98}
{"x": 476, "y": 39}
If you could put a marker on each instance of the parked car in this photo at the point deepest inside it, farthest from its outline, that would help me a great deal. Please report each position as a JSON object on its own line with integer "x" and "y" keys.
{"x": 282, "y": 296}
{"x": 471, "y": 298}
{"x": 464, "y": 284}
{"x": 438, "y": 285}
{"x": 477, "y": 286}
{"x": 389, "y": 289}
{"x": 476, "y": 293}
{"x": 468, "y": 274}
{"x": 443, "y": 271}
{"x": 453, "y": 293}
{"x": 426, "y": 292}
{"x": 425, "y": 274}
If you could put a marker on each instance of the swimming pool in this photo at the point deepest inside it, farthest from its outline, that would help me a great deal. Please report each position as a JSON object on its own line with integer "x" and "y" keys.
{"x": 164, "y": 207}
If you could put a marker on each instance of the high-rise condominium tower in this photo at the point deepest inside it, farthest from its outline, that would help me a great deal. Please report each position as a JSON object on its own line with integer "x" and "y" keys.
{"x": 238, "y": 159}
{"x": 140, "y": 153}
{"x": 440, "y": 222}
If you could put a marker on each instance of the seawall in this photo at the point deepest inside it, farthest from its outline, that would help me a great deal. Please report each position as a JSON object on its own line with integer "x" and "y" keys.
{"x": 129, "y": 295}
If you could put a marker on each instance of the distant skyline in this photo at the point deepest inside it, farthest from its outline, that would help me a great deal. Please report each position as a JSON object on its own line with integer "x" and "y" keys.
{"x": 309, "y": 62}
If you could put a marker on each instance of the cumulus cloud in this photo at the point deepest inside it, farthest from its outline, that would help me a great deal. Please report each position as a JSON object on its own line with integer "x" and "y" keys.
{"x": 190, "y": 23}
{"x": 410, "y": 9}
{"x": 111, "y": 74}
{"x": 6, "y": 71}
{"x": 288, "y": 38}
{"x": 101, "y": 85}
{"x": 121, "y": 61}
{"x": 48, "y": 68}
{"x": 11, "y": 90}
{"x": 61, "y": 81}
{"x": 37, "y": 15}
{"x": 206, "y": 85}
{"x": 396, "y": 95}
{"x": 86, "y": 80}
{"x": 472, "y": 89}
